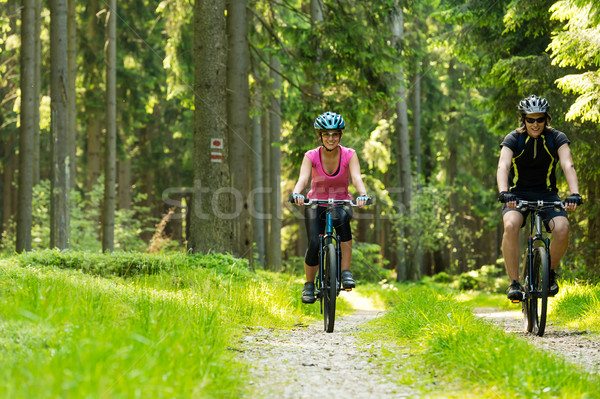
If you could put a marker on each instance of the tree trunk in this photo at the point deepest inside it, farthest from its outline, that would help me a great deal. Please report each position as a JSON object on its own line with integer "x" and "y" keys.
{"x": 60, "y": 189}
{"x": 24, "y": 217}
{"x": 211, "y": 226}
{"x": 258, "y": 190}
{"x": 403, "y": 171}
{"x": 124, "y": 183}
{"x": 274, "y": 250}
{"x": 418, "y": 252}
{"x": 238, "y": 103}
{"x": 94, "y": 113}
{"x": 110, "y": 153}
{"x": 38, "y": 87}
{"x": 72, "y": 97}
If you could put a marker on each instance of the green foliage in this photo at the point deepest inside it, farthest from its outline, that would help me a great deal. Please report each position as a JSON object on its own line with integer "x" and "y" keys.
{"x": 436, "y": 341}
{"x": 368, "y": 264}
{"x": 85, "y": 214}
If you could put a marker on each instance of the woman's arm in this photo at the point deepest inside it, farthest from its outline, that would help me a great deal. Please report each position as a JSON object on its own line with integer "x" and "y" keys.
{"x": 303, "y": 179}
{"x": 355, "y": 175}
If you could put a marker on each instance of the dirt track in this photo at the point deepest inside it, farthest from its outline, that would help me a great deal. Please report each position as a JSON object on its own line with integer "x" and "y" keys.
{"x": 576, "y": 346}
{"x": 306, "y": 362}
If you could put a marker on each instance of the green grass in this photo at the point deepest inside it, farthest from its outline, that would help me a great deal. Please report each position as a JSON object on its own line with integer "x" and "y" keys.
{"x": 71, "y": 327}
{"x": 577, "y": 306}
{"x": 440, "y": 348}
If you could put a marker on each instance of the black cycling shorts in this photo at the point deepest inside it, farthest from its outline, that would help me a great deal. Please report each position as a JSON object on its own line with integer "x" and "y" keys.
{"x": 315, "y": 225}
{"x": 547, "y": 214}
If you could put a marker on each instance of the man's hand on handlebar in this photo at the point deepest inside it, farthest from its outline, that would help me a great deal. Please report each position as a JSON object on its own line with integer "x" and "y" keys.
{"x": 572, "y": 201}
{"x": 508, "y": 198}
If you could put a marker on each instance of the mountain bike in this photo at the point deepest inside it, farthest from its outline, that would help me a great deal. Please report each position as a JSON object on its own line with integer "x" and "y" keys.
{"x": 328, "y": 284}
{"x": 536, "y": 271}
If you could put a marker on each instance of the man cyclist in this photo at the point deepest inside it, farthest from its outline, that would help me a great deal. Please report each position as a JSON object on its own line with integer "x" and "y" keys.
{"x": 329, "y": 169}
{"x": 526, "y": 171}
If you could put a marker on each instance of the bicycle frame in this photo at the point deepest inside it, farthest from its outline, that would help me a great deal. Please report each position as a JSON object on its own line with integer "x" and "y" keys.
{"x": 535, "y": 236}
{"x": 537, "y": 270}
{"x": 325, "y": 239}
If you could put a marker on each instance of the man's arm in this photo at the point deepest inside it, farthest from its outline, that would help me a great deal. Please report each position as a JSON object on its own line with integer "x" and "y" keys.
{"x": 566, "y": 163}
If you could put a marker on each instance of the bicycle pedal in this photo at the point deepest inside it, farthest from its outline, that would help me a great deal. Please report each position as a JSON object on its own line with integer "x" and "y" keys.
{"x": 347, "y": 289}
{"x": 515, "y": 301}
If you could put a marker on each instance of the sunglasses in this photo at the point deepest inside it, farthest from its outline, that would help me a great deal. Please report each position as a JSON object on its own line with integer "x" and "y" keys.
{"x": 335, "y": 135}
{"x": 538, "y": 120}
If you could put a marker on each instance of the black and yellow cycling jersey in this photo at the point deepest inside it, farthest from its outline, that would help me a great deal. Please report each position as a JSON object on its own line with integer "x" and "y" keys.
{"x": 534, "y": 160}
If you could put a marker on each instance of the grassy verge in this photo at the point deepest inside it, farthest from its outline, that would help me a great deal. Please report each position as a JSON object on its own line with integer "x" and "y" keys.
{"x": 132, "y": 325}
{"x": 577, "y": 306}
{"x": 440, "y": 348}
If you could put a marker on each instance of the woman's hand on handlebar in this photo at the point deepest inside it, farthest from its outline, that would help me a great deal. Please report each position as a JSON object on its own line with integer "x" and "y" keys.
{"x": 298, "y": 199}
{"x": 362, "y": 200}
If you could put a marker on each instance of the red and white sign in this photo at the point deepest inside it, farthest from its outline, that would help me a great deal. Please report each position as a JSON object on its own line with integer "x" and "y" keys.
{"x": 216, "y": 157}
{"x": 216, "y": 143}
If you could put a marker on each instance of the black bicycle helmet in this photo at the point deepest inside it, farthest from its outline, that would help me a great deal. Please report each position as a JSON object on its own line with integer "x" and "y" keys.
{"x": 533, "y": 105}
{"x": 329, "y": 121}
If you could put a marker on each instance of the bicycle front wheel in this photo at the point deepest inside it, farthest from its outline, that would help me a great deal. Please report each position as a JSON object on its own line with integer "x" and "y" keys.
{"x": 540, "y": 258}
{"x": 329, "y": 287}
{"x": 529, "y": 305}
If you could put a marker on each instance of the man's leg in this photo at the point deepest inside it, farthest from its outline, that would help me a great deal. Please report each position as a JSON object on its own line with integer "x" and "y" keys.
{"x": 560, "y": 240}
{"x": 510, "y": 243}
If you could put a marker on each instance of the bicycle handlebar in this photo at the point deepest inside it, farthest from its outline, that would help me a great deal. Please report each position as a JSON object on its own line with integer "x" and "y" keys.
{"x": 539, "y": 204}
{"x": 331, "y": 201}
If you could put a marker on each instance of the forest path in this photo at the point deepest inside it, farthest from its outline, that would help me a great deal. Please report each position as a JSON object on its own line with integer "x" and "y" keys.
{"x": 578, "y": 347}
{"x": 307, "y": 362}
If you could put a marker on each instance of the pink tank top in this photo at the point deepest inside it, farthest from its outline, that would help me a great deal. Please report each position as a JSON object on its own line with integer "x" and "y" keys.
{"x": 324, "y": 186}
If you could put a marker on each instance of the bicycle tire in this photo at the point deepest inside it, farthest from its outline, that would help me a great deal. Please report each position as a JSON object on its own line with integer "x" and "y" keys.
{"x": 329, "y": 288}
{"x": 541, "y": 258}
{"x": 529, "y": 304}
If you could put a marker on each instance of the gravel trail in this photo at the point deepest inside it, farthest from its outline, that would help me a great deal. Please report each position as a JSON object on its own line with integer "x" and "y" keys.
{"x": 578, "y": 347}
{"x": 307, "y": 362}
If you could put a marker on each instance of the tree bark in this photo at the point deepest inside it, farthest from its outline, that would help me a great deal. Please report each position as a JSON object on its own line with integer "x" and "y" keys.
{"x": 211, "y": 225}
{"x": 24, "y": 217}
{"x": 110, "y": 152}
{"x": 274, "y": 250}
{"x": 240, "y": 141}
{"x": 60, "y": 189}
{"x": 38, "y": 87}
{"x": 72, "y": 97}
{"x": 258, "y": 189}
{"x": 403, "y": 171}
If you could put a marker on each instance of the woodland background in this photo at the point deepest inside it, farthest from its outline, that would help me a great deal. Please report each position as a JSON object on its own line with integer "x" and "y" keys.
{"x": 108, "y": 110}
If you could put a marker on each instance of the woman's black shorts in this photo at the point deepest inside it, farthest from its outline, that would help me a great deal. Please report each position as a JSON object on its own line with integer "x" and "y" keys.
{"x": 315, "y": 225}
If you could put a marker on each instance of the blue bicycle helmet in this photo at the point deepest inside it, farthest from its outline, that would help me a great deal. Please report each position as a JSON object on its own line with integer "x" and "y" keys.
{"x": 329, "y": 121}
{"x": 533, "y": 105}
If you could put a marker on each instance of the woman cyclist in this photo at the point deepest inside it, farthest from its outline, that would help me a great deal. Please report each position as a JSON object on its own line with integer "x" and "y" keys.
{"x": 329, "y": 168}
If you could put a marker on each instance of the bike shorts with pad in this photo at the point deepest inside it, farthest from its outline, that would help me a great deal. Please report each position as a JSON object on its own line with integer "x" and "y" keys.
{"x": 547, "y": 214}
{"x": 315, "y": 225}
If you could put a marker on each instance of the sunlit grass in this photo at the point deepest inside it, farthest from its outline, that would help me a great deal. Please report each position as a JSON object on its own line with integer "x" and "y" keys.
{"x": 440, "y": 348}
{"x": 577, "y": 306}
{"x": 163, "y": 330}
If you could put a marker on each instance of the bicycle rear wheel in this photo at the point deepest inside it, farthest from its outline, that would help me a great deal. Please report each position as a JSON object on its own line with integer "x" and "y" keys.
{"x": 540, "y": 257}
{"x": 329, "y": 287}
